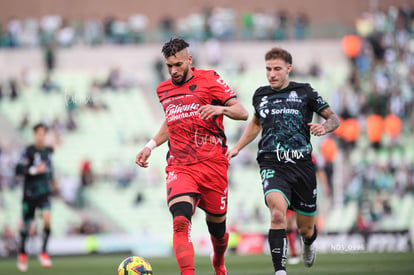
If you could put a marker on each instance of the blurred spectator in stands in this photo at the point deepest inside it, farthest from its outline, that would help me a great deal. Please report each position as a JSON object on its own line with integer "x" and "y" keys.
{"x": 193, "y": 26}
{"x": 65, "y": 36}
{"x": 71, "y": 124}
{"x": 363, "y": 224}
{"x": 206, "y": 28}
{"x": 166, "y": 27}
{"x": 95, "y": 104}
{"x": 57, "y": 129}
{"x": 48, "y": 85}
{"x": 71, "y": 104}
{"x": 410, "y": 184}
{"x": 378, "y": 209}
{"x": 258, "y": 215}
{"x": 377, "y": 47}
{"x": 281, "y": 29}
{"x": 124, "y": 174}
{"x": 69, "y": 186}
{"x": 363, "y": 60}
{"x": 222, "y": 23}
{"x": 86, "y": 227}
{"x": 401, "y": 177}
{"x": 1, "y": 179}
{"x": 383, "y": 180}
{"x": 87, "y": 177}
{"x": 14, "y": 89}
{"x": 377, "y": 102}
{"x": 1, "y": 91}
{"x": 301, "y": 25}
{"x": 30, "y": 33}
{"x": 3, "y": 36}
{"x": 159, "y": 70}
{"x": 108, "y": 29}
{"x": 315, "y": 70}
{"x": 49, "y": 56}
{"x": 14, "y": 30}
{"x": 137, "y": 24}
{"x": 116, "y": 80}
{"x": 354, "y": 79}
{"x": 9, "y": 241}
{"x": 86, "y": 181}
{"x": 8, "y": 159}
{"x": 353, "y": 187}
{"x": 49, "y": 25}
{"x": 119, "y": 32}
{"x": 325, "y": 161}
{"x": 93, "y": 32}
{"x": 24, "y": 122}
{"x": 323, "y": 168}
{"x": 247, "y": 25}
{"x": 139, "y": 199}
{"x": 263, "y": 23}
{"x": 89, "y": 227}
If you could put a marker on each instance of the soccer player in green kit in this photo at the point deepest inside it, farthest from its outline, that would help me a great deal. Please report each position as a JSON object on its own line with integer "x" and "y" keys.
{"x": 283, "y": 114}
{"x": 35, "y": 165}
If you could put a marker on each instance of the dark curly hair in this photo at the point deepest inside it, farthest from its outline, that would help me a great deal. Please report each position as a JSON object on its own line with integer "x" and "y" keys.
{"x": 174, "y": 46}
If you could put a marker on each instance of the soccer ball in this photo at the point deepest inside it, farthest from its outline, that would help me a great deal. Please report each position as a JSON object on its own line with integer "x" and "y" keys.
{"x": 134, "y": 265}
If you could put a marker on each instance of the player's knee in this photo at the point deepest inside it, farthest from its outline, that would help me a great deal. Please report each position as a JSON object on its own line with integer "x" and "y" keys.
{"x": 306, "y": 231}
{"x": 217, "y": 230}
{"x": 182, "y": 208}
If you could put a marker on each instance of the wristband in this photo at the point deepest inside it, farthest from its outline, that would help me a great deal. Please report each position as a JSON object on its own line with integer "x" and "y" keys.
{"x": 151, "y": 144}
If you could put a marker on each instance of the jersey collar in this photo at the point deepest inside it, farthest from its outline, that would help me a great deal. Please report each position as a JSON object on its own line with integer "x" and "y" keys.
{"x": 280, "y": 89}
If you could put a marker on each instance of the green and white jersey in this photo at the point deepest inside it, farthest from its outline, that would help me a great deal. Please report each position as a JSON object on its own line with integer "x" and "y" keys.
{"x": 284, "y": 115}
{"x": 37, "y": 185}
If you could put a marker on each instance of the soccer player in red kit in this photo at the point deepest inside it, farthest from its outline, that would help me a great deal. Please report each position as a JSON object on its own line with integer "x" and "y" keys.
{"x": 194, "y": 103}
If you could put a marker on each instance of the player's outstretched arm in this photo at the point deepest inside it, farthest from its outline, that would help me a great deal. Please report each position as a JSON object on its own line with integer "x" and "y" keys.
{"x": 157, "y": 140}
{"x": 233, "y": 109}
{"x": 330, "y": 124}
{"x": 250, "y": 133}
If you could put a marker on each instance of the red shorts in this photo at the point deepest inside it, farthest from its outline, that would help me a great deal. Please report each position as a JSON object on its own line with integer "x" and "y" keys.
{"x": 206, "y": 180}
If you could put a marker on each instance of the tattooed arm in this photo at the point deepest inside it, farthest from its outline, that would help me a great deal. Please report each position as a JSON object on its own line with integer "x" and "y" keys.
{"x": 330, "y": 124}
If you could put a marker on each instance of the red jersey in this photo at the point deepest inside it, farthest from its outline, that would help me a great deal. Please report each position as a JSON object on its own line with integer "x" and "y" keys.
{"x": 192, "y": 139}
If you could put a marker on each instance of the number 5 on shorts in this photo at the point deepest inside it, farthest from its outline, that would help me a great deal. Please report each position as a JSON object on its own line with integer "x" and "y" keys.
{"x": 223, "y": 203}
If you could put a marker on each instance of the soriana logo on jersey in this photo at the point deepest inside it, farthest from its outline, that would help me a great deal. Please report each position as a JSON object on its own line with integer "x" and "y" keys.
{"x": 180, "y": 110}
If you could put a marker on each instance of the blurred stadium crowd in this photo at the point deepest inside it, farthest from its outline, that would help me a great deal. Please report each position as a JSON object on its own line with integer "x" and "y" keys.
{"x": 213, "y": 23}
{"x": 366, "y": 167}
{"x": 378, "y": 98}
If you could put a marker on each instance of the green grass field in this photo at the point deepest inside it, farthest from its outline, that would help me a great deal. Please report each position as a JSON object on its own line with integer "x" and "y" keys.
{"x": 359, "y": 263}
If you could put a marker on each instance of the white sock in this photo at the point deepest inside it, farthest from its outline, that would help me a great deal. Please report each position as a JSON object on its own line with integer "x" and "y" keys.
{"x": 280, "y": 272}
